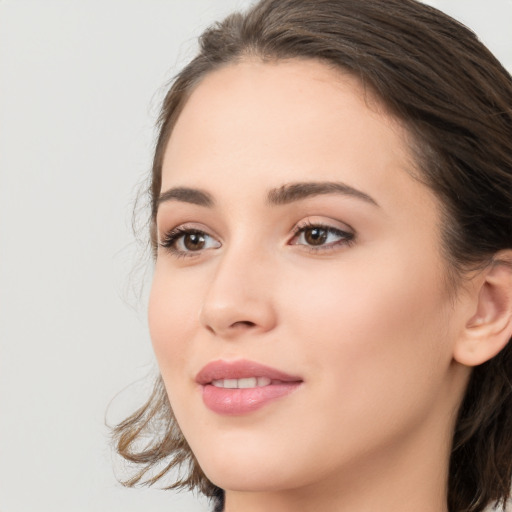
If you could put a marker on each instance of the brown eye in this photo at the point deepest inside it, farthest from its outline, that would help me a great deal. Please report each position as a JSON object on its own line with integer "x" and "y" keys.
{"x": 182, "y": 241}
{"x": 194, "y": 241}
{"x": 315, "y": 235}
{"x": 321, "y": 237}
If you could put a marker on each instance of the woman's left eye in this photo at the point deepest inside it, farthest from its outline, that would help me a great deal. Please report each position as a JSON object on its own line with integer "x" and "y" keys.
{"x": 317, "y": 236}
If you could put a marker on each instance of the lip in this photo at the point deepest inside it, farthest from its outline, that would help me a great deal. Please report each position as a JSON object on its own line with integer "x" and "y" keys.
{"x": 241, "y": 369}
{"x": 237, "y": 401}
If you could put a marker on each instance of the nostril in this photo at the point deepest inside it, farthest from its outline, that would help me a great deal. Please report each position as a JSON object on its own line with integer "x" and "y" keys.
{"x": 243, "y": 323}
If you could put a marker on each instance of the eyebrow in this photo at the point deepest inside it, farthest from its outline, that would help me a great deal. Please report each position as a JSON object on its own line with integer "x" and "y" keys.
{"x": 278, "y": 196}
{"x": 296, "y": 191}
{"x": 187, "y": 195}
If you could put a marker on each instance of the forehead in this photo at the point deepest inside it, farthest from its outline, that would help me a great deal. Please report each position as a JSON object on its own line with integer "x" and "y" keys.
{"x": 266, "y": 123}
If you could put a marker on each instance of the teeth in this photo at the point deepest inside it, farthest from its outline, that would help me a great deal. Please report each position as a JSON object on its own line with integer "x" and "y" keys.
{"x": 248, "y": 382}
{"x": 230, "y": 383}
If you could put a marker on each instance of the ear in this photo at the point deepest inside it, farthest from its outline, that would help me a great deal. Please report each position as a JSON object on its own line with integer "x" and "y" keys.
{"x": 489, "y": 326}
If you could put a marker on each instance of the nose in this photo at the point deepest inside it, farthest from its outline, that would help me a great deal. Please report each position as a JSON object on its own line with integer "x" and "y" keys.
{"x": 238, "y": 299}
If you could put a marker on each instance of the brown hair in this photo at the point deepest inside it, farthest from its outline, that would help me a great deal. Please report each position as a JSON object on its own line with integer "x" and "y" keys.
{"x": 455, "y": 99}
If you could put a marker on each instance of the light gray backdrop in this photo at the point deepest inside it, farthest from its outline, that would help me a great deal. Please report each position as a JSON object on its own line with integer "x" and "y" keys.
{"x": 80, "y": 84}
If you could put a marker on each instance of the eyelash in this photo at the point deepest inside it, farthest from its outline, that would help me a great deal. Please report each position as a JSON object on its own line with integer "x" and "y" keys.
{"x": 347, "y": 238}
{"x": 174, "y": 235}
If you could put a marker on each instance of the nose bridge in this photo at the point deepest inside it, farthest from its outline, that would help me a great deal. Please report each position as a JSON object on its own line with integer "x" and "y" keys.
{"x": 238, "y": 296}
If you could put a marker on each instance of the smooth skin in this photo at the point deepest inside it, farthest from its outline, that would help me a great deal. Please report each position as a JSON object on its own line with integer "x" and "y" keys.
{"x": 347, "y": 288}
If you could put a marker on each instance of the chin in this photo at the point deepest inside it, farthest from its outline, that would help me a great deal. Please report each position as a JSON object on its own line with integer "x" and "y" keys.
{"x": 246, "y": 470}
{"x": 248, "y": 479}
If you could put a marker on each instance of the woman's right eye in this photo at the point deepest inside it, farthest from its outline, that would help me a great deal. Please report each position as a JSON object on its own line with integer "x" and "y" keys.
{"x": 188, "y": 242}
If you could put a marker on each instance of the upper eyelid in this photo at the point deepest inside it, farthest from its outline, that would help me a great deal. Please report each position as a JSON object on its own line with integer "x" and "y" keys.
{"x": 348, "y": 235}
{"x": 186, "y": 227}
{"x": 302, "y": 224}
{"x": 327, "y": 224}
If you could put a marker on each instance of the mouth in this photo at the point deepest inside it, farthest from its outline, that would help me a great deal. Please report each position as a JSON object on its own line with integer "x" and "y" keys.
{"x": 245, "y": 383}
{"x": 242, "y": 386}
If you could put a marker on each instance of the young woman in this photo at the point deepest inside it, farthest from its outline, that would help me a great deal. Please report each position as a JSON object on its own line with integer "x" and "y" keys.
{"x": 332, "y": 298}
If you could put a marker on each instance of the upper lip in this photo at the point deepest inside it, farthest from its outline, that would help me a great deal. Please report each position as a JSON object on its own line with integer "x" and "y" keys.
{"x": 241, "y": 369}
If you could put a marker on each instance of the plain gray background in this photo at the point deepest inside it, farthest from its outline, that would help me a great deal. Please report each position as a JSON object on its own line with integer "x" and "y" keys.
{"x": 80, "y": 84}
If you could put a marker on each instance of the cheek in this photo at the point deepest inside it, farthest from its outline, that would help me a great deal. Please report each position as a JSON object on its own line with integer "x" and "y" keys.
{"x": 365, "y": 304}
{"x": 172, "y": 316}
{"x": 376, "y": 338}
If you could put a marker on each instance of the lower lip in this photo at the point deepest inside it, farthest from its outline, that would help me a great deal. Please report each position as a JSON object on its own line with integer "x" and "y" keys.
{"x": 242, "y": 401}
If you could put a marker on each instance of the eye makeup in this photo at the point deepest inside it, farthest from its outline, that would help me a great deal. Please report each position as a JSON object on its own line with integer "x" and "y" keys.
{"x": 184, "y": 241}
{"x": 321, "y": 237}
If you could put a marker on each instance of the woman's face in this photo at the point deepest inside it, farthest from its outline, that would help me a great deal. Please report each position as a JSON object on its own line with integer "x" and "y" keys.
{"x": 293, "y": 235}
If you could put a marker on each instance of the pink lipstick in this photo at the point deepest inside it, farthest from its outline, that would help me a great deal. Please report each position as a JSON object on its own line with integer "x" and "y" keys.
{"x": 240, "y": 387}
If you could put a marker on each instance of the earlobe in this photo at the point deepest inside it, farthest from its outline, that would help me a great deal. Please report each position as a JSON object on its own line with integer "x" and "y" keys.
{"x": 489, "y": 328}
